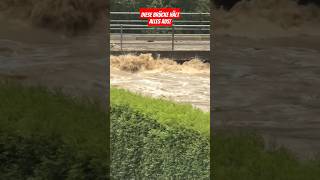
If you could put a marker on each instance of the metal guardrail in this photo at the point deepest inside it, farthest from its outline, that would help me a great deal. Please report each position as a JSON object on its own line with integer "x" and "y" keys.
{"x": 123, "y": 25}
{"x": 182, "y": 13}
{"x": 181, "y": 21}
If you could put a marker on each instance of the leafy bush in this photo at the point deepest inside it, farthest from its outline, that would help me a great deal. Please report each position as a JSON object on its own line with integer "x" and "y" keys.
{"x": 47, "y": 135}
{"x": 164, "y": 111}
{"x": 143, "y": 148}
{"x": 35, "y": 110}
{"x": 44, "y": 157}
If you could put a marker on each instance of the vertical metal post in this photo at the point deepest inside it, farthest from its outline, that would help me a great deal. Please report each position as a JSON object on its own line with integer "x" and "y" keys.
{"x": 121, "y": 36}
{"x": 172, "y": 50}
{"x": 200, "y": 22}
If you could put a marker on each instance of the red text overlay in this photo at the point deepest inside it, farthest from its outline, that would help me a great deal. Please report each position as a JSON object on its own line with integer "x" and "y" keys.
{"x": 160, "y": 16}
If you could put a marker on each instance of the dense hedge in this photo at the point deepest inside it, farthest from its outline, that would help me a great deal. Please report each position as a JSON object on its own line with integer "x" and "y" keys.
{"x": 47, "y": 135}
{"x": 143, "y": 148}
{"x": 37, "y": 157}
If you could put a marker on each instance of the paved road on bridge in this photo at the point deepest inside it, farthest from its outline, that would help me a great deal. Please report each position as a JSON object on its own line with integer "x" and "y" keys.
{"x": 160, "y": 42}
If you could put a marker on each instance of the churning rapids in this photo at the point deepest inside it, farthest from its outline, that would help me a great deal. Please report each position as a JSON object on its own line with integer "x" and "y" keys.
{"x": 78, "y": 66}
{"x": 186, "y": 83}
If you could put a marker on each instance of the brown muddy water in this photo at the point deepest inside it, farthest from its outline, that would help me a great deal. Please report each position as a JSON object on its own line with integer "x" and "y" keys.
{"x": 35, "y": 56}
{"x": 266, "y": 83}
{"x": 270, "y": 85}
{"x": 187, "y": 83}
{"x": 77, "y": 65}
{"x": 267, "y": 72}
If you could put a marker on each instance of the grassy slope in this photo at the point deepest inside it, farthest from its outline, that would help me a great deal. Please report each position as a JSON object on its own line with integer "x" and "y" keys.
{"x": 45, "y": 135}
{"x": 29, "y": 111}
{"x": 236, "y": 155}
{"x": 242, "y": 156}
{"x": 164, "y": 111}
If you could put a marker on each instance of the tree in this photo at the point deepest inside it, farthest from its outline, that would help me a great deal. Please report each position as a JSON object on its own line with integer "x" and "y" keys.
{"x": 185, "y": 5}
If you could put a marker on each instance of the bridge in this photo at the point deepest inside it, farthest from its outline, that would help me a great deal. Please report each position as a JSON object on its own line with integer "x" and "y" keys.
{"x": 188, "y": 37}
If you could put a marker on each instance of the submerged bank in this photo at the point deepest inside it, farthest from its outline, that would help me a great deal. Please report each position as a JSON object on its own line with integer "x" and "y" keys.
{"x": 163, "y": 78}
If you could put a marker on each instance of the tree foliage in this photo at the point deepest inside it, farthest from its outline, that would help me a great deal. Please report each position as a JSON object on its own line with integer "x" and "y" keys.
{"x": 185, "y": 5}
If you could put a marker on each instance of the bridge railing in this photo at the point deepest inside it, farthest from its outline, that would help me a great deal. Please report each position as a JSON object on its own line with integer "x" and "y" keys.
{"x": 131, "y": 24}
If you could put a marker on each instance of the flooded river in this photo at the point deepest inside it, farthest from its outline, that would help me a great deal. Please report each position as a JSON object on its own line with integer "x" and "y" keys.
{"x": 163, "y": 78}
{"x": 78, "y": 66}
{"x": 180, "y": 87}
{"x": 267, "y": 84}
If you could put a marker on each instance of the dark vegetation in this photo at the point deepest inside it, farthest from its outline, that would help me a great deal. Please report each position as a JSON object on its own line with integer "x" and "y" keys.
{"x": 46, "y": 157}
{"x": 72, "y": 16}
{"x": 185, "y": 5}
{"x": 228, "y": 4}
{"x": 304, "y": 2}
{"x": 69, "y": 16}
{"x": 243, "y": 156}
{"x": 144, "y": 148}
{"x": 47, "y": 135}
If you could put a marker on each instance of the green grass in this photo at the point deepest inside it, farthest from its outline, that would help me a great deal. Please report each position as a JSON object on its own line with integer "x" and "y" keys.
{"x": 47, "y": 135}
{"x": 35, "y": 110}
{"x": 166, "y": 112}
{"x": 32, "y": 119}
{"x": 243, "y": 156}
{"x": 236, "y": 155}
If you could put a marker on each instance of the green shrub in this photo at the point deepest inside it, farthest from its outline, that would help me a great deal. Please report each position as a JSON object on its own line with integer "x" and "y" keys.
{"x": 143, "y": 148}
{"x": 164, "y": 111}
{"x": 44, "y": 157}
{"x": 37, "y": 111}
{"x": 47, "y": 135}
